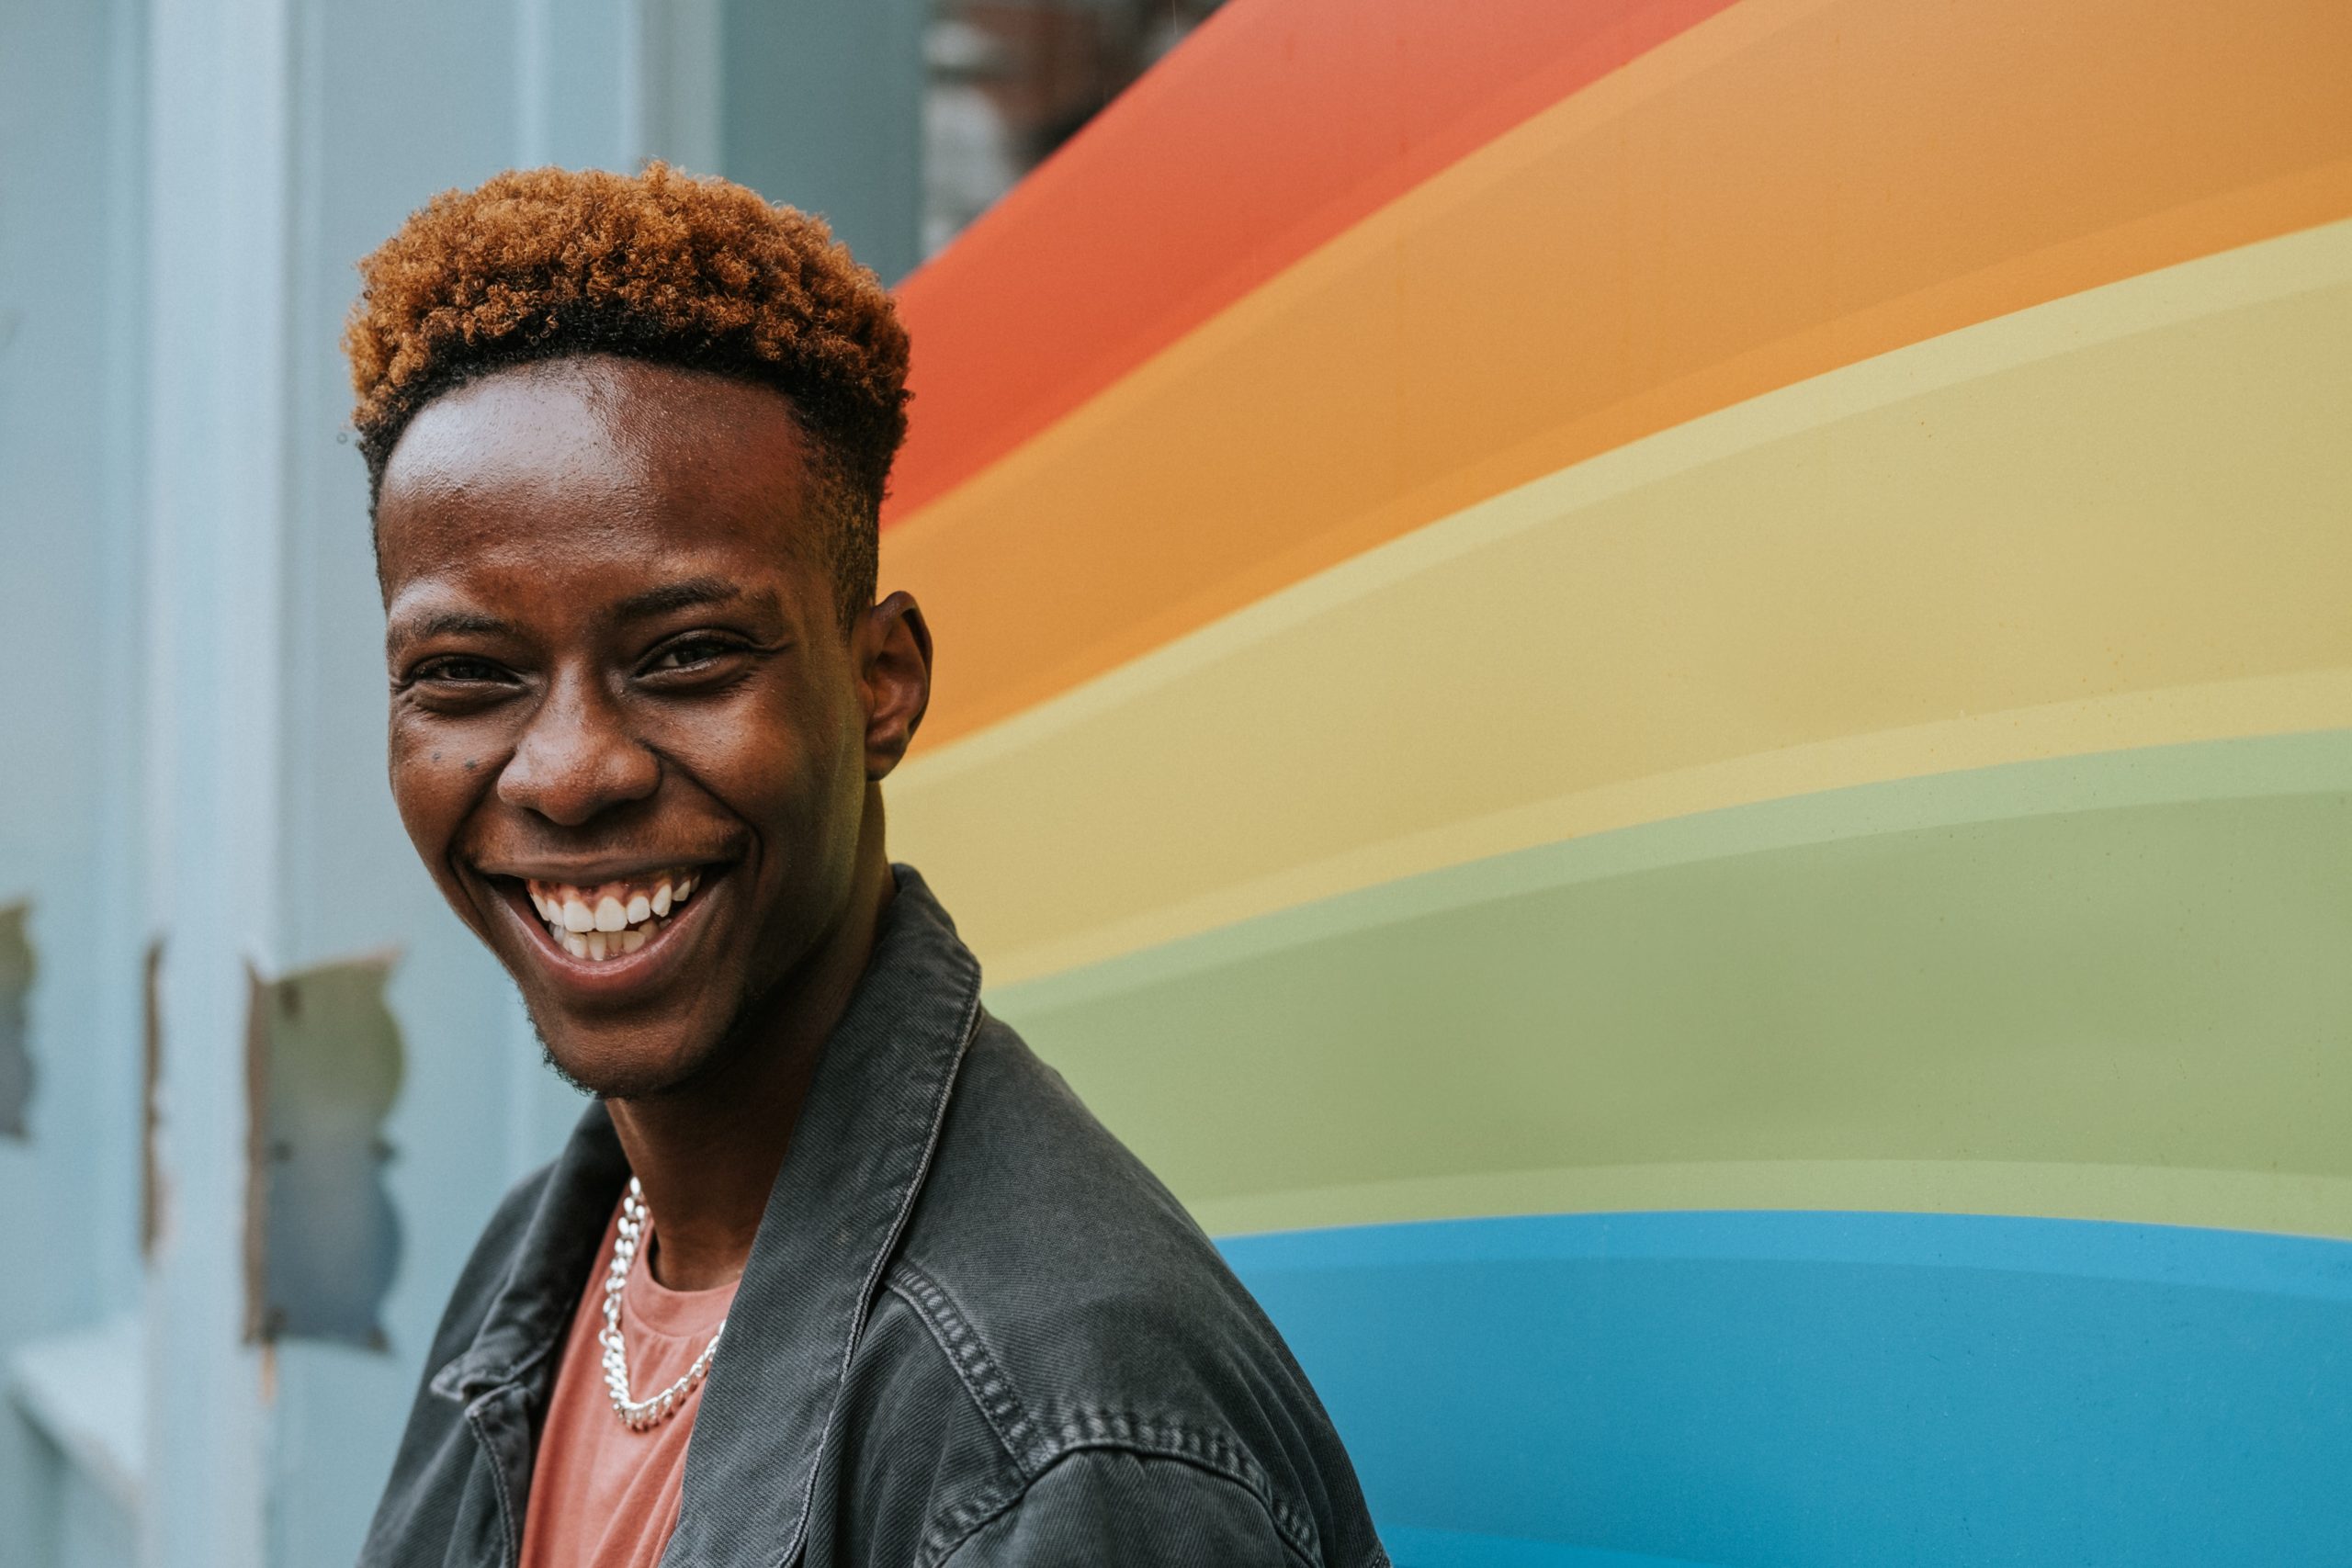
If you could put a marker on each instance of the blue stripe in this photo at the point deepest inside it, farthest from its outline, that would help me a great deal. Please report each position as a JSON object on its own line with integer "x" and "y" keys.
{"x": 1453, "y": 1548}
{"x": 1829, "y": 1388}
{"x": 2176, "y": 1255}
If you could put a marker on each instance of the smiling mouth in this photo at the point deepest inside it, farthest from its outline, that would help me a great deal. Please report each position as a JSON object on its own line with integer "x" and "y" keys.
{"x": 611, "y": 919}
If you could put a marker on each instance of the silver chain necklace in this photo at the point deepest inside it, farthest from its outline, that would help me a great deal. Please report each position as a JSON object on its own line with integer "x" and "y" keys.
{"x": 640, "y": 1414}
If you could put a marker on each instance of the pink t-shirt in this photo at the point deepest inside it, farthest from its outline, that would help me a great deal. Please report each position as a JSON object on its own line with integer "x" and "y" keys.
{"x": 602, "y": 1497}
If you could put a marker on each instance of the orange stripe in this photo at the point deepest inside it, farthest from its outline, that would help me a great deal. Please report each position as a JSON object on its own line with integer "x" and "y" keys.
{"x": 1792, "y": 187}
{"x": 1274, "y": 128}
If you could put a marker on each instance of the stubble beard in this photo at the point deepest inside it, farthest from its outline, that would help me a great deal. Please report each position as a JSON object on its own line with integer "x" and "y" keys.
{"x": 730, "y": 1043}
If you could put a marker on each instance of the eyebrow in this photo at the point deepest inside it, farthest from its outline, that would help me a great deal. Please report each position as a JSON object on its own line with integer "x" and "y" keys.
{"x": 684, "y": 595}
{"x": 449, "y": 623}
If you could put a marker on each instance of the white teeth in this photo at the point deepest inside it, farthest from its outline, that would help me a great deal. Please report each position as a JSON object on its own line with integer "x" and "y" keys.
{"x": 616, "y": 923}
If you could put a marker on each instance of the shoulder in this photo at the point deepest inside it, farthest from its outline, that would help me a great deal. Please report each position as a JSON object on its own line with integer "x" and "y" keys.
{"x": 1098, "y": 1334}
{"x": 1040, "y": 1235}
{"x": 1096, "y": 1505}
{"x": 1025, "y": 1184}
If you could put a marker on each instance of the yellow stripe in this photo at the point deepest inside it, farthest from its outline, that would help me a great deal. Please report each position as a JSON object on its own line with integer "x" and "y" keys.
{"x": 2115, "y": 520}
{"x": 2137, "y": 1194}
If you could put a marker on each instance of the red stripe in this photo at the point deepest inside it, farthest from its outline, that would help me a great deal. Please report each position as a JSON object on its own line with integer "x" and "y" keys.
{"x": 1276, "y": 125}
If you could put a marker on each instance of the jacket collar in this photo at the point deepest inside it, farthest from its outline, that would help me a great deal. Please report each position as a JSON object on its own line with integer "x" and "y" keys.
{"x": 547, "y": 1268}
{"x": 858, "y": 1160}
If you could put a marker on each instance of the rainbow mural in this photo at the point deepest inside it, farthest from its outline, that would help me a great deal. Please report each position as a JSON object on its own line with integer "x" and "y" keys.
{"x": 1660, "y": 692}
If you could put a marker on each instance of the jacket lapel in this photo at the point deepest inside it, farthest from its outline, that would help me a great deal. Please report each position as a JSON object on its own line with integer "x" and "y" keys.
{"x": 856, "y": 1163}
{"x": 503, "y": 1377}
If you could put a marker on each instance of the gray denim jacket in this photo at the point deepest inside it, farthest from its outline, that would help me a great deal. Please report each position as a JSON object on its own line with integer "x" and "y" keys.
{"x": 973, "y": 1331}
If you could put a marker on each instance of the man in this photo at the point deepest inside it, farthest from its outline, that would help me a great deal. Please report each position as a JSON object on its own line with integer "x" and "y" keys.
{"x": 627, "y": 440}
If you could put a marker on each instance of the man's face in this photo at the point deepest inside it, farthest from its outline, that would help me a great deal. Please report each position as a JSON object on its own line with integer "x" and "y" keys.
{"x": 629, "y": 735}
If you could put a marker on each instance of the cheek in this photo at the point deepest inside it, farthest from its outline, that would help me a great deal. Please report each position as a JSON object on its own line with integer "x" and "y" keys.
{"x": 431, "y": 784}
{"x": 830, "y": 761}
{"x": 770, "y": 748}
{"x": 760, "y": 770}
{"x": 781, "y": 765}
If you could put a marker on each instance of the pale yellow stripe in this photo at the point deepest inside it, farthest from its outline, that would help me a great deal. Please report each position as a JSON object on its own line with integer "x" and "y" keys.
{"x": 2300, "y": 1205}
{"x": 2273, "y": 706}
{"x": 2112, "y": 521}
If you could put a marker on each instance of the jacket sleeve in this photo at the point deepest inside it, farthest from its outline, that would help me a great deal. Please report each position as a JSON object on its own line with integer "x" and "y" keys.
{"x": 1102, "y": 1505}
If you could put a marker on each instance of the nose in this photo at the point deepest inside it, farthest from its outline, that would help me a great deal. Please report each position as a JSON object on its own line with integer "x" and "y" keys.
{"x": 578, "y": 758}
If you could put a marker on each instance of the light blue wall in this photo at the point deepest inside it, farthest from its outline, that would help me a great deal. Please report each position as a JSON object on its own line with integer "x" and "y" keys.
{"x": 191, "y": 682}
{"x": 823, "y": 108}
{"x": 69, "y": 661}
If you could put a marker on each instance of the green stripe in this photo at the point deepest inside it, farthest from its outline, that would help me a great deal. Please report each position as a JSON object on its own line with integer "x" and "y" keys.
{"x": 2140, "y": 959}
{"x": 2132, "y": 1194}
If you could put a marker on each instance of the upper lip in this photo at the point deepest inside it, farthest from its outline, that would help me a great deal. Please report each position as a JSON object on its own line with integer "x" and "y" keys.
{"x": 592, "y": 873}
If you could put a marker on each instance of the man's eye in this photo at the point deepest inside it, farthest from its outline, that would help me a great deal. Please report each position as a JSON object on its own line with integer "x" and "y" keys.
{"x": 689, "y": 654}
{"x": 455, "y": 671}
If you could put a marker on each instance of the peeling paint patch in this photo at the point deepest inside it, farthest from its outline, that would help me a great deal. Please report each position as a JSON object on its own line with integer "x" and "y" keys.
{"x": 16, "y": 1019}
{"x": 323, "y": 1067}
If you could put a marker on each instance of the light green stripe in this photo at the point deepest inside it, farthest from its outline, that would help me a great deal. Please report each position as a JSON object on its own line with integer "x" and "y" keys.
{"x": 2132, "y": 1194}
{"x": 2138, "y": 961}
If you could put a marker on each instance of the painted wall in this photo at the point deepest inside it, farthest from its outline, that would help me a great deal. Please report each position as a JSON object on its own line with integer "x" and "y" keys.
{"x": 1659, "y": 694}
{"x": 69, "y": 662}
{"x": 1656, "y": 690}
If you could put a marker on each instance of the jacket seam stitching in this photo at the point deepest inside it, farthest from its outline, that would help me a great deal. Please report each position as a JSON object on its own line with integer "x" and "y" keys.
{"x": 498, "y": 1488}
{"x": 468, "y": 1385}
{"x": 982, "y": 1377}
{"x": 966, "y": 1028}
{"x": 960, "y": 1524}
{"x": 980, "y": 1512}
{"x": 1095, "y": 1427}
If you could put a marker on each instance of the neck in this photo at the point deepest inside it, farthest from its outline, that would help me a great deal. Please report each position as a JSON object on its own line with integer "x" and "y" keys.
{"x": 707, "y": 1152}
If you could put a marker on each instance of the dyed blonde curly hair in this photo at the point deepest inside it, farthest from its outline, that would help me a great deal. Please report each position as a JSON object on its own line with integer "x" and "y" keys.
{"x": 547, "y": 264}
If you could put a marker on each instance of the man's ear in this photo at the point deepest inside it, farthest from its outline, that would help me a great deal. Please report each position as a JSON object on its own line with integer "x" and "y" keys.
{"x": 893, "y": 652}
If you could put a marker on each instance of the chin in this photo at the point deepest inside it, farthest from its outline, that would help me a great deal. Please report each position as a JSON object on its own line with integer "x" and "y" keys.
{"x": 630, "y": 1069}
